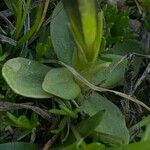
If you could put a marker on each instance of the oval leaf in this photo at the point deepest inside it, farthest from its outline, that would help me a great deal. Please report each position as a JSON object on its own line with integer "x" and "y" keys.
{"x": 25, "y": 77}
{"x": 60, "y": 82}
{"x": 61, "y": 39}
{"x": 113, "y": 123}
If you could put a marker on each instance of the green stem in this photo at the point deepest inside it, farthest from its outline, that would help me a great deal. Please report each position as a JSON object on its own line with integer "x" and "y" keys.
{"x": 21, "y": 20}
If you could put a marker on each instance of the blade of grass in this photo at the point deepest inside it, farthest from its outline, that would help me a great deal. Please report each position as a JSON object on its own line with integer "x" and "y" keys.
{"x": 8, "y": 40}
{"x": 18, "y": 17}
{"x": 10, "y": 25}
{"x": 22, "y": 13}
{"x": 43, "y": 16}
{"x": 30, "y": 33}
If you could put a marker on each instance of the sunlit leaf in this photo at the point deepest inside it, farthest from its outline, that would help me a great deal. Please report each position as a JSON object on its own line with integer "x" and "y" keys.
{"x": 25, "y": 77}
{"x": 59, "y": 82}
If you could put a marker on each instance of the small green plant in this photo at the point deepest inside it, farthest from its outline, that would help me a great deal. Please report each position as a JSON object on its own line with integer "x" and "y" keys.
{"x": 23, "y": 123}
{"x": 71, "y": 67}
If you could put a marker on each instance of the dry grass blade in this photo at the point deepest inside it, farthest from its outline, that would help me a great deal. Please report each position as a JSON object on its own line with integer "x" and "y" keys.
{"x": 7, "y": 106}
{"x": 8, "y": 40}
{"x": 50, "y": 142}
{"x": 43, "y": 15}
{"x": 141, "y": 79}
{"x": 100, "y": 89}
{"x": 10, "y": 25}
{"x": 141, "y": 55}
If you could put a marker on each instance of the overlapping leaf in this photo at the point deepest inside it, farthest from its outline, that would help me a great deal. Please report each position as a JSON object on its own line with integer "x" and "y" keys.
{"x": 25, "y": 77}
{"x": 60, "y": 82}
{"x": 113, "y": 123}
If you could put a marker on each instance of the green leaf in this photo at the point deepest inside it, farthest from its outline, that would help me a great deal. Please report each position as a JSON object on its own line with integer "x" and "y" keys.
{"x": 84, "y": 146}
{"x": 134, "y": 146}
{"x": 146, "y": 5}
{"x": 114, "y": 122}
{"x": 25, "y": 77}
{"x": 82, "y": 16}
{"x": 88, "y": 12}
{"x": 41, "y": 50}
{"x": 87, "y": 126}
{"x": 117, "y": 23}
{"x": 98, "y": 41}
{"x": 59, "y": 82}
{"x": 18, "y": 146}
{"x": 11, "y": 4}
{"x": 126, "y": 47}
{"x": 129, "y": 46}
{"x": 22, "y": 121}
{"x": 61, "y": 126}
{"x": 73, "y": 146}
{"x": 113, "y": 75}
{"x": 94, "y": 146}
{"x": 61, "y": 39}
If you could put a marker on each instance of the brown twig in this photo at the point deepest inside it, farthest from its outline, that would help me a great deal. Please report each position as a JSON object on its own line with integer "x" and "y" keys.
{"x": 7, "y": 106}
{"x": 100, "y": 89}
{"x": 50, "y": 142}
{"x": 43, "y": 15}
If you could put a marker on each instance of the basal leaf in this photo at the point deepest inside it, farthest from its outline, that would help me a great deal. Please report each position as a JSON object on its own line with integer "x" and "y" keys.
{"x": 87, "y": 126}
{"x": 25, "y": 77}
{"x": 113, "y": 123}
{"x": 61, "y": 39}
{"x": 59, "y": 82}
